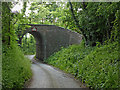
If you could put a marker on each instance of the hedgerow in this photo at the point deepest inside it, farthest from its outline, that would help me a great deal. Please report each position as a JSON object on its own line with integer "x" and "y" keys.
{"x": 15, "y": 68}
{"x": 97, "y": 67}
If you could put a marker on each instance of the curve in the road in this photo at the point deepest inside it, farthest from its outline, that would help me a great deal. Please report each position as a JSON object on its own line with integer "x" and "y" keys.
{"x": 45, "y": 76}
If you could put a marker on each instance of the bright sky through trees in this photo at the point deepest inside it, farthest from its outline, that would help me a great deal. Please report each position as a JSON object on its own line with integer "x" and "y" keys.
{"x": 19, "y": 6}
{"x": 28, "y": 35}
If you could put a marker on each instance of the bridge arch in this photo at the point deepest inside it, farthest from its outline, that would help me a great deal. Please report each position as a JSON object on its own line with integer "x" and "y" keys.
{"x": 39, "y": 43}
{"x": 50, "y": 38}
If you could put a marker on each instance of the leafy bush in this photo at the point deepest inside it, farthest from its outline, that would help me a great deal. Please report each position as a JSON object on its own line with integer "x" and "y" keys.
{"x": 67, "y": 58}
{"x": 97, "y": 66}
{"x": 15, "y": 68}
{"x": 99, "y": 69}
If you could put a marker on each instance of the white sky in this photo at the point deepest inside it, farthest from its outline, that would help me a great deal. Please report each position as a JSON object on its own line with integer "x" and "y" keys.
{"x": 19, "y": 6}
{"x": 28, "y": 35}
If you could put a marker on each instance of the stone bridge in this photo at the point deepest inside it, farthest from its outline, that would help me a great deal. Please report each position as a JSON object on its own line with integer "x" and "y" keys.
{"x": 50, "y": 39}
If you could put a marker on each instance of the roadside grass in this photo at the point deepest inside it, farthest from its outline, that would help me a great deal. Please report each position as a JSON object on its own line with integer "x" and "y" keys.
{"x": 95, "y": 66}
{"x": 15, "y": 67}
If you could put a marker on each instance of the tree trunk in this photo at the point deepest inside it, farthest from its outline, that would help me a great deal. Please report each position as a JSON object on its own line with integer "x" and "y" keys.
{"x": 77, "y": 23}
{"x": 9, "y": 23}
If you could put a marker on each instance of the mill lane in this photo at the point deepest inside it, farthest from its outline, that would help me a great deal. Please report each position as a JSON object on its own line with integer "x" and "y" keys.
{"x": 46, "y": 76}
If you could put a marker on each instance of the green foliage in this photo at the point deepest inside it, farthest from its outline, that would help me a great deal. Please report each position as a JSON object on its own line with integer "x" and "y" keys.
{"x": 66, "y": 59}
{"x": 38, "y": 13}
{"x": 6, "y": 22}
{"x": 97, "y": 67}
{"x": 28, "y": 45}
{"x": 95, "y": 20}
{"x": 15, "y": 67}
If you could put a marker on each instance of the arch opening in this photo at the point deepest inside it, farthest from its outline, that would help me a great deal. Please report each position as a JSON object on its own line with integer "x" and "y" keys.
{"x": 28, "y": 44}
{"x": 38, "y": 43}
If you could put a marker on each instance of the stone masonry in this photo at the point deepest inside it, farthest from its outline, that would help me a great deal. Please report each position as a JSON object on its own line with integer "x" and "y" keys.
{"x": 50, "y": 39}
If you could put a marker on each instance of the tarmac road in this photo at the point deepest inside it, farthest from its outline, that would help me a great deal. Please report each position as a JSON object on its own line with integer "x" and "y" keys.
{"x": 46, "y": 76}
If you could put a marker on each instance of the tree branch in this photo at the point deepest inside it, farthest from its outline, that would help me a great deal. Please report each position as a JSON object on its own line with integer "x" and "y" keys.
{"x": 15, "y": 22}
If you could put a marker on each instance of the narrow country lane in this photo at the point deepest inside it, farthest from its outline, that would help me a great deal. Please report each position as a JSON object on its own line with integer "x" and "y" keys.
{"x": 45, "y": 76}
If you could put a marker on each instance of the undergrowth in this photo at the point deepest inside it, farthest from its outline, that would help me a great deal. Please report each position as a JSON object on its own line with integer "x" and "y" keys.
{"x": 15, "y": 68}
{"x": 97, "y": 67}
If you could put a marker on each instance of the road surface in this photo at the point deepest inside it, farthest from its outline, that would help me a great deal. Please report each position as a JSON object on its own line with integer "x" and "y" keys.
{"x": 46, "y": 76}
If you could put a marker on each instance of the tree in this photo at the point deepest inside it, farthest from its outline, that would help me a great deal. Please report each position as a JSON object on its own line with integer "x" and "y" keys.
{"x": 94, "y": 21}
{"x": 6, "y": 22}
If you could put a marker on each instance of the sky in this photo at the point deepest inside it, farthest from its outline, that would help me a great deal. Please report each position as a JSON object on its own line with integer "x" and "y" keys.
{"x": 19, "y": 6}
